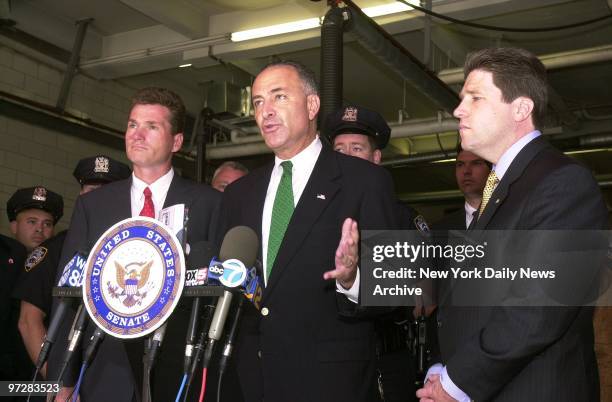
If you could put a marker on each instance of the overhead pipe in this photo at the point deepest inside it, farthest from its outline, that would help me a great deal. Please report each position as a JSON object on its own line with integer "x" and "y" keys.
{"x": 551, "y": 61}
{"x": 398, "y": 58}
{"x": 331, "y": 63}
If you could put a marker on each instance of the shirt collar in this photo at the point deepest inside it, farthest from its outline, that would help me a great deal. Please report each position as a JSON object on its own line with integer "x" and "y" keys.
{"x": 305, "y": 159}
{"x": 507, "y": 157}
{"x": 158, "y": 187}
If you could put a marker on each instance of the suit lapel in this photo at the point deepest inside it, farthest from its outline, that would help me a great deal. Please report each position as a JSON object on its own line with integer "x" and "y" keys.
{"x": 124, "y": 194}
{"x": 176, "y": 192}
{"x": 514, "y": 172}
{"x": 254, "y": 207}
{"x": 317, "y": 196}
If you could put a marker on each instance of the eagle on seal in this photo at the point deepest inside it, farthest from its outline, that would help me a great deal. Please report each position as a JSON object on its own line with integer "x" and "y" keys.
{"x": 131, "y": 279}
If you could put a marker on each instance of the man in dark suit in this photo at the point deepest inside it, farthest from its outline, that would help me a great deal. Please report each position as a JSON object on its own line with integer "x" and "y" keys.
{"x": 154, "y": 133}
{"x": 471, "y": 172}
{"x": 307, "y": 342}
{"x": 518, "y": 353}
{"x": 357, "y": 131}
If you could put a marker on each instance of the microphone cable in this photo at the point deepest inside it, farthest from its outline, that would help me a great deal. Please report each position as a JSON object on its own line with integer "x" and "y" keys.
{"x": 203, "y": 389}
{"x": 180, "y": 391}
{"x": 199, "y": 347}
{"x": 94, "y": 342}
{"x": 228, "y": 348}
{"x": 75, "y": 391}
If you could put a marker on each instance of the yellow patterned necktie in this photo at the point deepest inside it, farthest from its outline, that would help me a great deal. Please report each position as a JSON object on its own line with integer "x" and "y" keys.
{"x": 492, "y": 181}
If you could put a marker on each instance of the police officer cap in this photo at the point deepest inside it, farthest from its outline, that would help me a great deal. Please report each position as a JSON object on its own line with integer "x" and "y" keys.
{"x": 358, "y": 120}
{"x": 35, "y": 197}
{"x": 100, "y": 169}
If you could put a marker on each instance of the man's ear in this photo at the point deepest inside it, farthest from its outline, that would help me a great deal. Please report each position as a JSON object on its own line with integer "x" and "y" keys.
{"x": 377, "y": 156}
{"x": 313, "y": 103}
{"x": 13, "y": 225}
{"x": 178, "y": 142}
{"x": 522, "y": 108}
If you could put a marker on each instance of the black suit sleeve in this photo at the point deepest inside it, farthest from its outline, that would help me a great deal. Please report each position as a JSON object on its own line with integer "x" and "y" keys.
{"x": 567, "y": 199}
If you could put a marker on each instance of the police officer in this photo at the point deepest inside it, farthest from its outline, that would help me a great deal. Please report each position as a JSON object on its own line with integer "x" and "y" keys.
{"x": 33, "y": 213}
{"x": 363, "y": 133}
{"x": 40, "y": 269}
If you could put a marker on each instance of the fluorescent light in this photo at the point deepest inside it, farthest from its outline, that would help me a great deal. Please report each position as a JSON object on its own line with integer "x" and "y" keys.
{"x": 185, "y": 65}
{"x": 301, "y": 25}
{"x": 276, "y": 29}
{"x": 386, "y": 9}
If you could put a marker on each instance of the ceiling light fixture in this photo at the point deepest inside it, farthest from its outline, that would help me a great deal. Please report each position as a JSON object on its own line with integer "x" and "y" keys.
{"x": 278, "y": 29}
{"x": 185, "y": 65}
{"x": 310, "y": 23}
{"x": 387, "y": 9}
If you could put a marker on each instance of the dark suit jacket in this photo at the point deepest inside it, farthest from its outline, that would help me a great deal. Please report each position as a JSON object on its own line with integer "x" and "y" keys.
{"x": 304, "y": 349}
{"x": 529, "y": 353}
{"x": 110, "y": 376}
{"x": 452, "y": 221}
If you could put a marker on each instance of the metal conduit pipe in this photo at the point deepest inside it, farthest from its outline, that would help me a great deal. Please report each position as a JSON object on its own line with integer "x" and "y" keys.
{"x": 238, "y": 136}
{"x": 422, "y": 127}
{"x": 420, "y": 158}
{"x": 595, "y": 140}
{"x": 233, "y": 151}
{"x": 551, "y": 61}
{"x": 392, "y": 53}
{"x": 331, "y": 63}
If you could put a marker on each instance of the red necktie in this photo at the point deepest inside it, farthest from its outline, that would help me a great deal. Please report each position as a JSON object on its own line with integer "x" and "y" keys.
{"x": 148, "y": 209}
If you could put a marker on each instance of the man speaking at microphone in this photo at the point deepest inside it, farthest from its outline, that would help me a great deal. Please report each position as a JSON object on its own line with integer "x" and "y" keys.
{"x": 154, "y": 133}
{"x": 306, "y": 343}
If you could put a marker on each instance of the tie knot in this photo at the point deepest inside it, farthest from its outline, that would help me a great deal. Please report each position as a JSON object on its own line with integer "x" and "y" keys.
{"x": 147, "y": 192}
{"x": 287, "y": 167}
{"x": 492, "y": 178}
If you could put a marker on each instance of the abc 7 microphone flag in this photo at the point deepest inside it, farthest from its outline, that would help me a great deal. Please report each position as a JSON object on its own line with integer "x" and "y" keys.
{"x": 134, "y": 277}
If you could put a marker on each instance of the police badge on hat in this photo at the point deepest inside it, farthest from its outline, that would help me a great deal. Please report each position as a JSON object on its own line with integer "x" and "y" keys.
{"x": 350, "y": 114}
{"x": 35, "y": 257}
{"x": 39, "y": 194}
{"x": 101, "y": 164}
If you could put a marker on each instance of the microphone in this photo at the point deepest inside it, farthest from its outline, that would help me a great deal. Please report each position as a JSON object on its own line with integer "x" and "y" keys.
{"x": 72, "y": 276}
{"x": 200, "y": 254}
{"x": 229, "y": 343}
{"x": 156, "y": 341}
{"x": 78, "y": 328}
{"x": 94, "y": 342}
{"x": 239, "y": 246}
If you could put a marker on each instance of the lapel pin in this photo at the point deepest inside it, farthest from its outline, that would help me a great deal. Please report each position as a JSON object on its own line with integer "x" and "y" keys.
{"x": 321, "y": 196}
{"x": 497, "y": 201}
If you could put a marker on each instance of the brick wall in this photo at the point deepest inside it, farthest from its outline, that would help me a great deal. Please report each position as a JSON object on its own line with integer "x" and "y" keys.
{"x": 33, "y": 155}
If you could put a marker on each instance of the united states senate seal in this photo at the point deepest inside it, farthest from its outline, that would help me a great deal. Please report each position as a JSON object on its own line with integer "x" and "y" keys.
{"x": 134, "y": 277}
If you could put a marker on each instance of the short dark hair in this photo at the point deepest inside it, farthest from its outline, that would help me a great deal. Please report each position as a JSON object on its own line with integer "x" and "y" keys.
{"x": 307, "y": 76}
{"x": 516, "y": 72}
{"x": 163, "y": 97}
{"x": 460, "y": 149}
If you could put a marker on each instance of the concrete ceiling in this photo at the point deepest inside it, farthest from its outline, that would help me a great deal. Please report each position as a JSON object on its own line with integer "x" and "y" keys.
{"x": 142, "y": 42}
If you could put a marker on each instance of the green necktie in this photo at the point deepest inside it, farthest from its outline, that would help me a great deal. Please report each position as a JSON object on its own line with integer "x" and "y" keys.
{"x": 281, "y": 214}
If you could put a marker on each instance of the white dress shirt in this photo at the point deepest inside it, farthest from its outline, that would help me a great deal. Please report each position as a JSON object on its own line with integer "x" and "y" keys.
{"x": 303, "y": 164}
{"x": 469, "y": 214}
{"x": 159, "y": 191}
